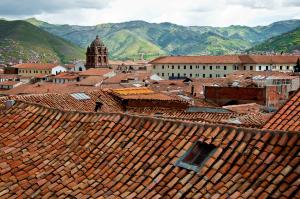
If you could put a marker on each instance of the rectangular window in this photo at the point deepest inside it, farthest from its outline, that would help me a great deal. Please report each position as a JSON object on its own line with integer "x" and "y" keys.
{"x": 203, "y": 75}
{"x": 259, "y": 67}
{"x": 224, "y": 75}
{"x": 184, "y": 67}
{"x": 154, "y": 67}
{"x": 191, "y": 75}
{"x": 288, "y": 67}
{"x": 184, "y": 74}
{"x": 163, "y": 74}
{"x": 178, "y": 75}
{"x": 245, "y": 68}
{"x": 173, "y": 67}
{"x": 163, "y": 67}
{"x": 210, "y": 68}
{"x": 203, "y": 67}
{"x": 210, "y": 75}
{"x": 267, "y": 67}
{"x": 225, "y": 67}
{"x": 178, "y": 67}
{"x": 280, "y": 67}
{"x": 191, "y": 67}
{"x": 196, "y": 156}
{"x": 251, "y": 67}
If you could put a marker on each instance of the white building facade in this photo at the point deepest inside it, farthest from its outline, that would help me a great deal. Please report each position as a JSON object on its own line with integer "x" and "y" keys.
{"x": 172, "y": 67}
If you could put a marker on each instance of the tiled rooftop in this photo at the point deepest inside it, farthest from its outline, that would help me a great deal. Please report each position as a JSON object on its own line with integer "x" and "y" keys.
{"x": 244, "y": 108}
{"x": 45, "y": 87}
{"x": 67, "y": 102}
{"x": 51, "y": 153}
{"x": 66, "y": 75}
{"x": 239, "y": 119}
{"x": 91, "y": 81}
{"x": 227, "y": 59}
{"x": 133, "y": 91}
{"x": 141, "y": 94}
{"x": 9, "y": 83}
{"x": 39, "y": 66}
{"x": 287, "y": 118}
{"x": 95, "y": 72}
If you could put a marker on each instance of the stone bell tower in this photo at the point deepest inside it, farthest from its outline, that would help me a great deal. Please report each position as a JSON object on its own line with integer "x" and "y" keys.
{"x": 96, "y": 55}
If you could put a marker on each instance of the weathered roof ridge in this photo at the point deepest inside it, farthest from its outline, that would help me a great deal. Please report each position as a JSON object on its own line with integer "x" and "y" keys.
{"x": 292, "y": 105}
{"x": 173, "y": 120}
{"x": 56, "y": 153}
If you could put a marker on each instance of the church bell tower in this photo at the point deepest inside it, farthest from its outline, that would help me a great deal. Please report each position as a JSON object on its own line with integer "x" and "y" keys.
{"x": 96, "y": 55}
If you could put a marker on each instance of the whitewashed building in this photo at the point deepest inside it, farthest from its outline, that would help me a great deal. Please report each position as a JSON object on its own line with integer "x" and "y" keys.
{"x": 172, "y": 67}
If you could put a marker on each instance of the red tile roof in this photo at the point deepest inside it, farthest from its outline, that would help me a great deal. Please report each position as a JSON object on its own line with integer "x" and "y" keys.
{"x": 67, "y": 102}
{"x": 66, "y": 75}
{"x": 230, "y": 59}
{"x": 238, "y": 119}
{"x": 287, "y": 118}
{"x": 268, "y": 59}
{"x": 96, "y": 72}
{"x": 51, "y": 153}
{"x": 38, "y": 66}
{"x": 227, "y": 59}
{"x": 39, "y": 88}
{"x": 140, "y": 93}
{"x": 138, "y": 76}
{"x": 9, "y": 83}
{"x": 244, "y": 108}
{"x": 91, "y": 81}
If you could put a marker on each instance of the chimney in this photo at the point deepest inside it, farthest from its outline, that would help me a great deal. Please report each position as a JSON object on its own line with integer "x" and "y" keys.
{"x": 98, "y": 106}
{"x": 192, "y": 90}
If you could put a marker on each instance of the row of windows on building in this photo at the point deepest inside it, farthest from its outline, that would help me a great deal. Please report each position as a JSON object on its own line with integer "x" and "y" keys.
{"x": 191, "y": 67}
{"x": 35, "y": 71}
{"x": 190, "y": 75}
{"x": 220, "y": 67}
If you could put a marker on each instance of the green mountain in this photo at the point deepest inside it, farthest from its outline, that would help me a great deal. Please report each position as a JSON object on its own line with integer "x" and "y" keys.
{"x": 287, "y": 42}
{"x": 20, "y": 40}
{"x": 129, "y": 40}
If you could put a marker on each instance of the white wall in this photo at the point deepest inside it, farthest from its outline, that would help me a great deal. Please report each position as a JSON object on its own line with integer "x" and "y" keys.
{"x": 166, "y": 70}
{"x": 58, "y": 69}
{"x": 110, "y": 74}
{"x": 192, "y": 70}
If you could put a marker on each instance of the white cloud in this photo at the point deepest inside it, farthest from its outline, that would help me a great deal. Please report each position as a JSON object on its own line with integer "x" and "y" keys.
{"x": 185, "y": 12}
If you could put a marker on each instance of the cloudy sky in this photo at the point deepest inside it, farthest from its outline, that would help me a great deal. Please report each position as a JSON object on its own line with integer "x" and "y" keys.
{"x": 183, "y": 12}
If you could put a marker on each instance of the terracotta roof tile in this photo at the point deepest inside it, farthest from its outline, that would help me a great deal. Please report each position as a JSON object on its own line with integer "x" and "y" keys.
{"x": 227, "y": 59}
{"x": 76, "y": 154}
{"x": 39, "y": 66}
{"x": 91, "y": 81}
{"x": 234, "y": 118}
{"x": 68, "y": 102}
{"x": 66, "y": 75}
{"x": 45, "y": 87}
{"x": 9, "y": 83}
{"x": 287, "y": 117}
{"x": 95, "y": 72}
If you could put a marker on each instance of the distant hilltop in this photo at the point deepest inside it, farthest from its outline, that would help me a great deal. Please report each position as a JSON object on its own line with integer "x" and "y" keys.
{"x": 134, "y": 40}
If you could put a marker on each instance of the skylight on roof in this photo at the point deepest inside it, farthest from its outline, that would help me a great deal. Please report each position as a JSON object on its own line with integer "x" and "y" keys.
{"x": 196, "y": 156}
{"x": 80, "y": 96}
